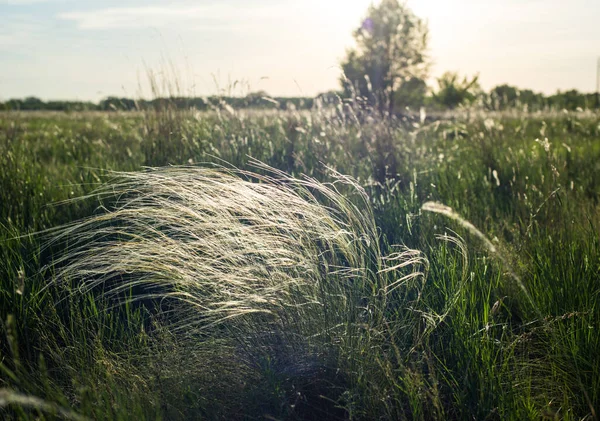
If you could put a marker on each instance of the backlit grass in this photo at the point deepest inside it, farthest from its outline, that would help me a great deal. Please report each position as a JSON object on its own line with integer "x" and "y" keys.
{"x": 224, "y": 289}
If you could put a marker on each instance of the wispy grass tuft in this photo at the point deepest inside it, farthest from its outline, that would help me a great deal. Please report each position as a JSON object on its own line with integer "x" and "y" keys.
{"x": 9, "y": 397}
{"x": 288, "y": 271}
{"x": 450, "y": 213}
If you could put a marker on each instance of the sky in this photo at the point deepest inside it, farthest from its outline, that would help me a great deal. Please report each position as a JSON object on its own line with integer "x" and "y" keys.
{"x": 90, "y": 49}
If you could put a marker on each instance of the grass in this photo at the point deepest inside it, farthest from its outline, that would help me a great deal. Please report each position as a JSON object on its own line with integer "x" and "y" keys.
{"x": 274, "y": 287}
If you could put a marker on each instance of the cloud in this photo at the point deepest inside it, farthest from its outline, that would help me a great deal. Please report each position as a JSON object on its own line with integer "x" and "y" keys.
{"x": 19, "y": 31}
{"x": 161, "y": 16}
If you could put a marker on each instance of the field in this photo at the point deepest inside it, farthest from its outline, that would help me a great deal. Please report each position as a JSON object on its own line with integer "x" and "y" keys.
{"x": 334, "y": 297}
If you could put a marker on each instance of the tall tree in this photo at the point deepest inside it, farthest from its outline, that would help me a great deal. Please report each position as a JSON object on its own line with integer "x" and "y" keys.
{"x": 390, "y": 51}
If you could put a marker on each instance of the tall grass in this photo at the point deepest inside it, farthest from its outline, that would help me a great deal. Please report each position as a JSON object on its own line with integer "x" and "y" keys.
{"x": 287, "y": 272}
{"x": 254, "y": 291}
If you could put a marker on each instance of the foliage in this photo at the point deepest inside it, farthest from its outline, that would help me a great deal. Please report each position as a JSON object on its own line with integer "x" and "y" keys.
{"x": 411, "y": 93}
{"x": 505, "y": 97}
{"x": 252, "y": 100}
{"x": 453, "y": 92}
{"x": 389, "y": 58}
{"x": 33, "y": 103}
{"x": 573, "y": 100}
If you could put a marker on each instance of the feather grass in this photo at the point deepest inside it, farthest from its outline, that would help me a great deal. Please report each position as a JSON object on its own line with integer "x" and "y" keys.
{"x": 283, "y": 268}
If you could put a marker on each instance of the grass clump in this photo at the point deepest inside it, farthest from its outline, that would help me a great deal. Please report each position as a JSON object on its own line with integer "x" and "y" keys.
{"x": 286, "y": 273}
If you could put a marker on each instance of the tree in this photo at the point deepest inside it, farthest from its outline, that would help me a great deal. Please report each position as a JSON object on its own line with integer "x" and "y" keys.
{"x": 411, "y": 93}
{"x": 114, "y": 103}
{"x": 390, "y": 52}
{"x": 531, "y": 101}
{"x": 453, "y": 92}
{"x": 255, "y": 99}
{"x": 503, "y": 97}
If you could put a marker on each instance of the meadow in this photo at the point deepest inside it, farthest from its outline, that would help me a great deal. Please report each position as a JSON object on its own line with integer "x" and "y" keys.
{"x": 288, "y": 265}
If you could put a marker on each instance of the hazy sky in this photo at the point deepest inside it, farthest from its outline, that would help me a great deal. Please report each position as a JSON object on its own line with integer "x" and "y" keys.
{"x": 89, "y": 49}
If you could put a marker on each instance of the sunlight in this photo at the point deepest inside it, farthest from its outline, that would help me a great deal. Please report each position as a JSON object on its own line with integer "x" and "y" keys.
{"x": 299, "y": 210}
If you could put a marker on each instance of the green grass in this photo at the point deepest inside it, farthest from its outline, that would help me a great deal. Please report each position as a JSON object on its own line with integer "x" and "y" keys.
{"x": 462, "y": 341}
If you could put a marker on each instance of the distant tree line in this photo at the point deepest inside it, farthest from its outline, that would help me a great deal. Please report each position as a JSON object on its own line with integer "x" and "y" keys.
{"x": 452, "y": 92}
{"x": 33, "y": 104}
{"x": 253, "y": 100}
{"x": 504, "y": 97}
